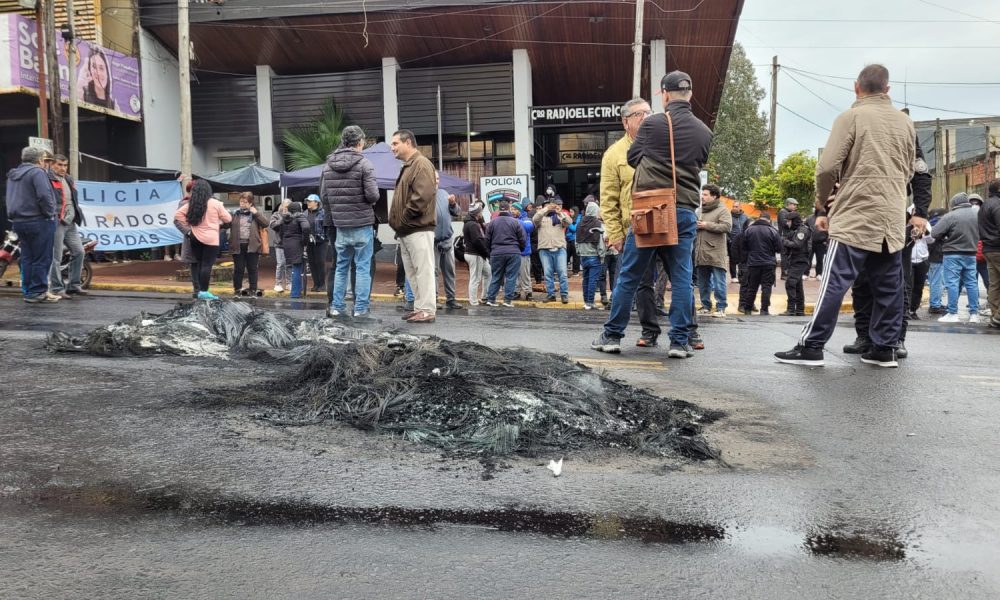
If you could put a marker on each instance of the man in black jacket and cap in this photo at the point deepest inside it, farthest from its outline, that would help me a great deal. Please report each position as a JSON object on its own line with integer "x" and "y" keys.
{"x": 653, "y": 154}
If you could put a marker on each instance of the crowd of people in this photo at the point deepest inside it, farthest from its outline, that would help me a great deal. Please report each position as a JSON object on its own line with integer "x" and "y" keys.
{"x": 858, "y": 237}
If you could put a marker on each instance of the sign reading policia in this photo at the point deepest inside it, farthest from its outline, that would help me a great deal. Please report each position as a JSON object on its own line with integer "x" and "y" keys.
{"x": 493, "y": 189}
{"x": 130, "y": 216}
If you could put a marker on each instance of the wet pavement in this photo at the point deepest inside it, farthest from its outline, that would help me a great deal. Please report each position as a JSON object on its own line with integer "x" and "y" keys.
{"x": 130, "y": 478}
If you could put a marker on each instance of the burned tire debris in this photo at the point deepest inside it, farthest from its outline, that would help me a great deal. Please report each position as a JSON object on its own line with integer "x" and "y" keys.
{"x": 460, "y": 396}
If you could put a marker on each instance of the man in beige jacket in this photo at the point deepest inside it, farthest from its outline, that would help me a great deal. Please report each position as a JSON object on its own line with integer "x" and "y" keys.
{"x": 861, "y": 199}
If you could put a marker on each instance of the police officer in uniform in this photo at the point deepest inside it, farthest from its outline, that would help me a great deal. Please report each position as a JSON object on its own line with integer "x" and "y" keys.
{"x": 795, "y": 243}
{"x": 920, "y": 190}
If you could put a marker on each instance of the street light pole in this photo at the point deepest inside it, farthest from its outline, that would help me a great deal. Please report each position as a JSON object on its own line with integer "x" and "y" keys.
{"x": 637, "y": 50}
{"x": 74, "y": 109}
{"x": 184, "y": 69}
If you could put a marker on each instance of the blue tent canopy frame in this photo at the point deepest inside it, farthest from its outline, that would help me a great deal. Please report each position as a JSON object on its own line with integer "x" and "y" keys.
{"x": 387, "y": 169}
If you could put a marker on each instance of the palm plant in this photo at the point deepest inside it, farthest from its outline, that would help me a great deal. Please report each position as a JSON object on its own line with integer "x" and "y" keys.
{"x": 309, "y": 145}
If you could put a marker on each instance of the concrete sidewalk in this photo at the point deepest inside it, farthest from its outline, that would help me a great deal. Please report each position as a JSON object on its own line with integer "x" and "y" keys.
{"x": 160, "y": 276}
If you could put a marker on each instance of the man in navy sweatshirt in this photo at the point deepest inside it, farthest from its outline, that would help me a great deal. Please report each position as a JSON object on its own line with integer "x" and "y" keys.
{"x": 506, "y": 240}
{"x": 31, "y": 208}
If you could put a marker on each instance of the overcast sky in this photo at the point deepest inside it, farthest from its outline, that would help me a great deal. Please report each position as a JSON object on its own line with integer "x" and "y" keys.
{"x": 934, "y": 41}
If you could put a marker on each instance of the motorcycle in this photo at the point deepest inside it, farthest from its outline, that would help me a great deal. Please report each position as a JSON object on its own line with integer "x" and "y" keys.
{"x": 10, "y": 251}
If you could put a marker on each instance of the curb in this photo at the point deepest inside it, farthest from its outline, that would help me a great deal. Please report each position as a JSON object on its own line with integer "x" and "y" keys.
{"x": 846, "y": 307}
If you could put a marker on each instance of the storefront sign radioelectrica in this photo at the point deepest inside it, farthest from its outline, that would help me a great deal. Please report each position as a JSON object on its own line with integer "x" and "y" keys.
{"x": 581, "y": 114}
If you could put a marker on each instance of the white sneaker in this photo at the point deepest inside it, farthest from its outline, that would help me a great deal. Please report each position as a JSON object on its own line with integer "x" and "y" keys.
{"x": 719, "y": 314}
{"x": 734, "y": 280}
{"x": 973, "y": 318}
{"x": 278, "y": 288}
{"x": 985, "y": 312}
{"x": 588, "y": 307}
{"x": 167, "y": 257}
{"x": 950, "y": 318}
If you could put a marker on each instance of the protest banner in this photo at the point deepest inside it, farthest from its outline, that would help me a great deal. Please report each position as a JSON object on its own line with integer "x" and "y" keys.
{"x": 130, "y": 216}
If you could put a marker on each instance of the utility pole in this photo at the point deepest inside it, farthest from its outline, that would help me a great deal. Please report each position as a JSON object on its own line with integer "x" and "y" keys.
{"x": 939, "y": 174}
{"x": 74, "y": 109}
{"x": 43, "y": 101}
{"x": 774, "y": 108}
{"x": 55, "y": 88}
{"x": 637, "y": 50}
{"x": 184, "y": 68}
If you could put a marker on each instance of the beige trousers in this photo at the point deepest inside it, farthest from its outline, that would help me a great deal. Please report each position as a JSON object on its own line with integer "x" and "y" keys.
{"x": 417, "y": 250}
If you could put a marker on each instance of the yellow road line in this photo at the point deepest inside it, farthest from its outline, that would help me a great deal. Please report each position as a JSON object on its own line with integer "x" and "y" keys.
{"x": 625, "y": 364}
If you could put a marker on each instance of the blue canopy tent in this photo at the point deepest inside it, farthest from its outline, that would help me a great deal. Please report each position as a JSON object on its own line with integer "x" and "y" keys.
{"x": 255, "y": 178}
{"x": 386, "y": 171}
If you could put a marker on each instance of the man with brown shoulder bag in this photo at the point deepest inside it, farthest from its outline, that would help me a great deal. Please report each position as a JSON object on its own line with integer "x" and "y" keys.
{"x": 667, "y": 154}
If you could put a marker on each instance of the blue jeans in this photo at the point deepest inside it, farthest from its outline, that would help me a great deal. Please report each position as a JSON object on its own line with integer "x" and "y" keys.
{"x": 554, "y": 261}
{"x": 633, "y": 263}
{"x": 960, "y": 271}
{"x": 296, "y": 281}
{"x": 591, "y": 266}
{"x": 36, "y": 239}
{"x": 506, "y": 268}
{"x": 935, "y": 276}
{"x": 357, "y": 244}
{"x": 712, "y": 279}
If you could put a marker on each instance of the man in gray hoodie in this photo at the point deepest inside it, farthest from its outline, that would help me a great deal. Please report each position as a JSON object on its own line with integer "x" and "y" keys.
{"x": 31, "y": 208}
{"x": 958, "y": 234}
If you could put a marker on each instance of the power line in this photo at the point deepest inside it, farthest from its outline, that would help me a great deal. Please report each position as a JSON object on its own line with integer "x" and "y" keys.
{"x": 941, "y": 83}
{"x": 937, "y": 108}
{"x": 956, "y": 11}
{"x": 803, "y": 86}
{"x": 811, "y": 122}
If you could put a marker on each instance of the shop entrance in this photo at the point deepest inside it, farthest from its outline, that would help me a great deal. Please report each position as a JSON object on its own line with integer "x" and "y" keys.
{"x": 571, "y": 160}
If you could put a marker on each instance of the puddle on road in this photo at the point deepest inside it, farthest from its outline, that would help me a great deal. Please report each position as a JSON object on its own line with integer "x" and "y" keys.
{"x": 122, "y": 501}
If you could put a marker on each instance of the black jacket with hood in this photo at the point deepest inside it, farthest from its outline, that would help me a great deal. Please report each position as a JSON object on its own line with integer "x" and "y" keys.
{"x": 989, "y": 224}
{"x": 474, "y": 235}
{"x": 348, "y": 189}
{"x": 649, "y": 154}
{"x": 30, "y": 195}
{"x": 760, "y": 243}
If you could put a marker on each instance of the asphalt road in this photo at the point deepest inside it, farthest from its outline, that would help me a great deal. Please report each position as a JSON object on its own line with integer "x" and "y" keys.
{"x": 126, "y": 478}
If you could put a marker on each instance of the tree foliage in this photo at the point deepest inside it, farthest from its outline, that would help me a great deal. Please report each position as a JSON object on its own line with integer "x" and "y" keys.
{"x": 795, "y": 178}
{"x": 739, "y": 148}
{"x": 309, "y": 145}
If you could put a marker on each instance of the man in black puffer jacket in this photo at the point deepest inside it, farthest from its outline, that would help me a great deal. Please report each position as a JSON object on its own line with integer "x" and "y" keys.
{"x": 349, "y": 192}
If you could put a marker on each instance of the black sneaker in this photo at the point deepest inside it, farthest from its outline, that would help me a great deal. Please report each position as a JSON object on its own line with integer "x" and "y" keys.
{"x": 565, "y": 299}
{"x": 679, "y": 351}
{"x": 901, "y": 351}
{"x": 604, "y": 343}
{"x": 882, "y": 357}
{"x": 527, "y": 297}
{"x": 491, "y": 303}
{"x": 937, "y": 310}
{"x": 800, "y": 355}
{"x": 550, "y": 298}
{"x": 453, "y": 305}
{"x": 860, "y": 346}
{"x": 405, "y": 307}
{"x": 646, "y": 342}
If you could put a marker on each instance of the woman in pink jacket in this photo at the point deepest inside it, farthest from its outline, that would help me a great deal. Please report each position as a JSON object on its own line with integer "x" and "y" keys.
{"x": 199, "y": 220}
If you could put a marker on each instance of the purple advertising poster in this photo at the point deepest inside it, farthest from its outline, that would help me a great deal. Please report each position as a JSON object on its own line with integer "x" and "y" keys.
{"x": 107, "y": 81}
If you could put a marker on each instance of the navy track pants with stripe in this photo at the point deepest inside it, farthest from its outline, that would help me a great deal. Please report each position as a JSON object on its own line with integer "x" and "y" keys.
{"x": 885, "y": 279}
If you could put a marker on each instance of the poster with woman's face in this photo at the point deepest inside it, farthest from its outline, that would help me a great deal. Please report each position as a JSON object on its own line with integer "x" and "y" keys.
{"x": 107, "y": 80}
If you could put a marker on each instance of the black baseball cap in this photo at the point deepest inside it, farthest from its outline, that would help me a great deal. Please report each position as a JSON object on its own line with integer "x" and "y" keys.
{"x": 676, "y": 81}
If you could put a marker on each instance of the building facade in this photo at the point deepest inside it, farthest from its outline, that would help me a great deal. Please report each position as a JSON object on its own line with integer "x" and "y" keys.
{"x": 524, "y": 88}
